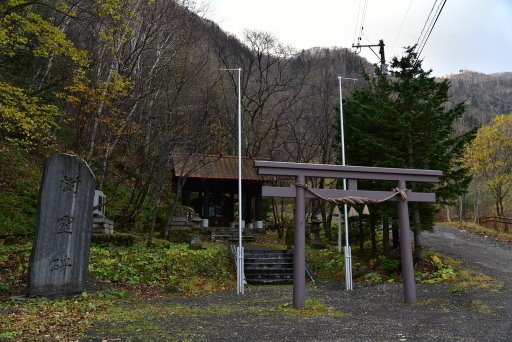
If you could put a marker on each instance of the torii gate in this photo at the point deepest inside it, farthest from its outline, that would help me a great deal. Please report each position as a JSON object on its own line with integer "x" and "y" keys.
{"x": 352, "y": 173}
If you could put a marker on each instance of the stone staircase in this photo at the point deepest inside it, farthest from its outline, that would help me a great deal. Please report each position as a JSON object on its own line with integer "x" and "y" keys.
{"x": 268, "y": 266}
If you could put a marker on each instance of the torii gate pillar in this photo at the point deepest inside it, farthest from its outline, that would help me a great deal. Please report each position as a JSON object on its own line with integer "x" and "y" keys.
{"x": 299, "y": 241}
{"x": 406, "y": 248}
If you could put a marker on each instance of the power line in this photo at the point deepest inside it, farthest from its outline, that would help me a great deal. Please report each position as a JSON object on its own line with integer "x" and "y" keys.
{"x": 362, "y": 20}
{"x": 426, "y": 22}
{"x": 357, "y": 22}
{"x": 438, "y": 14}
{"x": 401, "y": 26}
{"x": 429, "y": 27}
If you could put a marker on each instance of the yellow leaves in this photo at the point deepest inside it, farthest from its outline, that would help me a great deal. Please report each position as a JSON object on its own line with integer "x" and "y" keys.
{"x": 489, "y": 156}
{"x": 24, "y": 120}
{"x": 31, "y": 33}
{"x": 88, "y": 98}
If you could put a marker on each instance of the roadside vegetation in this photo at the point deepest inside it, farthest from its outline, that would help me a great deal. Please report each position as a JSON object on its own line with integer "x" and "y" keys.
{"x": 480, "y": 230}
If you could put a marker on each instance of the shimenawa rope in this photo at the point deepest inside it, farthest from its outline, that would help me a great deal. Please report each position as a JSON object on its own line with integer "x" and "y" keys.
{"x": 352, "y": 200}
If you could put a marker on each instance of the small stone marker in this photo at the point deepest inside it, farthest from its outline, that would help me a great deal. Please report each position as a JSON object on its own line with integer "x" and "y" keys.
{"x": 60, "y": 254}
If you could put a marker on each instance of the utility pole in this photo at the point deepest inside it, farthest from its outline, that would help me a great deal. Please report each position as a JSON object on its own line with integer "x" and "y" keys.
{"x": 383, "y": 65}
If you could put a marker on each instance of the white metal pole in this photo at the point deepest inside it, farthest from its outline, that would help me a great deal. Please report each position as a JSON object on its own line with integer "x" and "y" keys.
{"x": 240, "y": 249}
{"x": 240, "y": 202}
{"x": 348, "y": 252}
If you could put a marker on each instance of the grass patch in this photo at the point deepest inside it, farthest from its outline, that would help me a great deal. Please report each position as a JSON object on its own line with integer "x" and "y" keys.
{"x": 55, "y": 320}
{"x": 479, "y": 306}
{"x": 441, "y": 268}
{"x": 312, "y": 308}
{"x": 468, "y": 279}
{"x": 13, "y": 268}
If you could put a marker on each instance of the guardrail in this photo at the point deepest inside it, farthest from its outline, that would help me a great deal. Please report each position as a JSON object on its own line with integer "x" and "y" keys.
{"x": 500, "y": 223}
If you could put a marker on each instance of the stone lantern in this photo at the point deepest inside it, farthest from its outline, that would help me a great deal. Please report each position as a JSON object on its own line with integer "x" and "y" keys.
{"x": 196, "y": 242}
{"x": 315, "y": 229}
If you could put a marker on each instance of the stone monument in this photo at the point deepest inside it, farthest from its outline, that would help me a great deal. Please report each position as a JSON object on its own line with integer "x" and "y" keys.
{"x": 100, "y": 223}
{"x": 60, "y": 254}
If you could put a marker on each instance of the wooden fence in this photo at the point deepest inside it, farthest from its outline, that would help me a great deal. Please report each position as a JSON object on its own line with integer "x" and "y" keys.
{"x": 503, "y": 224}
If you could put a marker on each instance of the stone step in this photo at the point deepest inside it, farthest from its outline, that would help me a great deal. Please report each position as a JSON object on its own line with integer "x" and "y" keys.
{"x": 255, "y": 271}
{"x": 274, "y": 266}
{"x": 260, "y": 251}
{"x": 269, "y": 260}
{"x": 270, "y": 276}
{"x": 270, "y": 281}
{"x": 267, "y": 255}
{"x": 268, "y": 266}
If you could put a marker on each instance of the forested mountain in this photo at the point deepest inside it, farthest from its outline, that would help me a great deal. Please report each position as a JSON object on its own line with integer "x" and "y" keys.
{"x": 485, "y": 95}
{"x": 124, "y": 83}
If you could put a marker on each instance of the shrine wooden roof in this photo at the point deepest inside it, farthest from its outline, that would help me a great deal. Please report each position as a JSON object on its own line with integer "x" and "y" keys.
{"x": 218, "y": 167}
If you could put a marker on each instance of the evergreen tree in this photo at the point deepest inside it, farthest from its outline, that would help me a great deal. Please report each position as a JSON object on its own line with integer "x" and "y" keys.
{"x": 402, "y": 120}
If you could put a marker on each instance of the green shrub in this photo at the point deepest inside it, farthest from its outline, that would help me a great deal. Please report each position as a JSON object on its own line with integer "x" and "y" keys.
{"x": 326, "y": 263}
{"x": 116, "y": 239}
{"x": 389, "y": 265}
{"x": 4, "y": 288}
{"x": 444, "y": 270}
{"x": 373, "y": 277}
{"x": 169, "y": 268}
{"x": 19, "y": 189}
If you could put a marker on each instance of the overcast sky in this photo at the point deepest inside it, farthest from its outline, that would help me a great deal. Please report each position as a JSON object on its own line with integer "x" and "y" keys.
{"x": 470, "y": 34}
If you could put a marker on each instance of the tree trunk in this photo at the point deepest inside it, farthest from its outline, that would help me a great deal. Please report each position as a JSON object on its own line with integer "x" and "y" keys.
{"x": 462, "y": 208}
{"x": 373, "y": 235}
{"x": 361, "y": 234}
{"x": 477, "y": 206}
{"x": 418, "y": 248}
{"x": 385, "y": 236}
{"x": 396, "y": 236}
{"x": 151, "y": 229}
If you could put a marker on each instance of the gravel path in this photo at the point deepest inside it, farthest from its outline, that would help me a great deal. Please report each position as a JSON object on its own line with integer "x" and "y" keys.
{"x": 372, "y": 313}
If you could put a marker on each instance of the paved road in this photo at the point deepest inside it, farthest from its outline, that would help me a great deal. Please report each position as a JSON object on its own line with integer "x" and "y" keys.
{"x": 477, "y": 252}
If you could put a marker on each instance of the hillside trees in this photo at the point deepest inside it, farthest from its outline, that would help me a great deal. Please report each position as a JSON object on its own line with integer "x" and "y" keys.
{"x": 273, "y": 76}
{"x": 402, "y": 120}
{"x": 309, "y": 136}
{"x": 489, "y": 156}
{"x": 485, "y": 96}
{"x": 140, "y": 100}
{"x": 125, "y": 83}
{"x": 28, "y": 110}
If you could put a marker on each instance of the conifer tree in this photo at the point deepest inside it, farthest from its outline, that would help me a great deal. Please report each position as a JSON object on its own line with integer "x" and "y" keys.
{"x": 403, "y": 120}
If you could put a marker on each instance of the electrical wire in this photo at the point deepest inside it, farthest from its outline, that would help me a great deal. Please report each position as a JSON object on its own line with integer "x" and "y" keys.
{"x": 357, "y": 22}
{"x": 426, "y": 22}
{"x": 360, "y": 20}
{"x": 401, "y": 26}
{"x": 363, "y": 18}
{"x": 438, "y": 14}
{"x": 429, "y": 27}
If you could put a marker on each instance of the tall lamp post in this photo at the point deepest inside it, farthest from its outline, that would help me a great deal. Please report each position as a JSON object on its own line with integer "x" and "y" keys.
{"x": 348, "y": 252}
{"x": 240, "y": 248}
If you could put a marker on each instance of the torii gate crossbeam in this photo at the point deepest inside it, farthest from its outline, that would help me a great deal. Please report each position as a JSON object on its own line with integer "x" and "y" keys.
{"x": 352, "y": 173}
